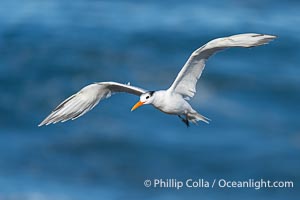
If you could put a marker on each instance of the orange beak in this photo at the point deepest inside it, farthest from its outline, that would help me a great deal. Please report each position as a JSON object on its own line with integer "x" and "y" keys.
{"x": 138, "y": 104}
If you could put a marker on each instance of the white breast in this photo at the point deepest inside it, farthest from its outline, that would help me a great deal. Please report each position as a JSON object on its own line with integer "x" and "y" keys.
{"x": 170, "y": 103}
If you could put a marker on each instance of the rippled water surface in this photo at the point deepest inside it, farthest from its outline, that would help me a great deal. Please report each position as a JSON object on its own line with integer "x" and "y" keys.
{"x": 50, "y": 49}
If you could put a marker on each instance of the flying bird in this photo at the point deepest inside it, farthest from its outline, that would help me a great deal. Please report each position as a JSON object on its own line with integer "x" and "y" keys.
{"x": 172, "y": 101}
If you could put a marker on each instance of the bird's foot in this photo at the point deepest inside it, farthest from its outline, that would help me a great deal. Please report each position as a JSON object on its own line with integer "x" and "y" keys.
{"x": 185, "y": 120}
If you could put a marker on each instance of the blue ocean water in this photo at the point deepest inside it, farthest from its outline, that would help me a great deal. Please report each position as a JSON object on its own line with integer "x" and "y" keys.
{"x": 50, "y": 49}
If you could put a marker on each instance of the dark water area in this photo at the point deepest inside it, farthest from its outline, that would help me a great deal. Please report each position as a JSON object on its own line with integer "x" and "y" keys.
{"x": 51, "y": 49}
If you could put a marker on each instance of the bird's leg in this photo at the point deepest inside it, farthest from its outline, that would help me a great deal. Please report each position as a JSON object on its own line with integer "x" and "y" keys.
{"x": 185, "y": 120}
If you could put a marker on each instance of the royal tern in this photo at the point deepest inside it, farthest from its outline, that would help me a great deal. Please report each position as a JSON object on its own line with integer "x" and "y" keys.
{"x": 171, "y": 101}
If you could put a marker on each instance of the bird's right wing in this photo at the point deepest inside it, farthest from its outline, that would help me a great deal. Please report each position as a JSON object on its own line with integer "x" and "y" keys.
{"x": 86, "y": 99}
{"x": 186, "y": 80}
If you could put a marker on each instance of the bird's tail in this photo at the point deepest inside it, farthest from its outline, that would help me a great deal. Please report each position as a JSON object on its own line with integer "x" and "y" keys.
{"x": 194, "y": 117}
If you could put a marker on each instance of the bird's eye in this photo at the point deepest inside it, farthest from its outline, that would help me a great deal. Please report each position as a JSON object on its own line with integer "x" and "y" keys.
{"x": 147, "y": 97}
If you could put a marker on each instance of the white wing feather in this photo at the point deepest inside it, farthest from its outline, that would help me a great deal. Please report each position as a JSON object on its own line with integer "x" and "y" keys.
{"x": 186, "y": 80}
{"x": 86, "y": 99}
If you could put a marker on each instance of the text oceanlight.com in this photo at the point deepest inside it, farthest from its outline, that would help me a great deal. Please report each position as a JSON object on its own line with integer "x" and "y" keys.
{"x": 217, "y": 183}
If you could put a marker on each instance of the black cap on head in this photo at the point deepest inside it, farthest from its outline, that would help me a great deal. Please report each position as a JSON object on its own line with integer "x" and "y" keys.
{"x": 151, "y": 92}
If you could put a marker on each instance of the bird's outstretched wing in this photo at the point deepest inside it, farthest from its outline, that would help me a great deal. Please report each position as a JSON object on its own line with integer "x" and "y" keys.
{"x": 86, "y": 99}
{"x": 185, "y": 82}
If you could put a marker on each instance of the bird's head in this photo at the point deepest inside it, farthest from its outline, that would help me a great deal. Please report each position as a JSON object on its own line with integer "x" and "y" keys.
{"x": 146, "y": 98}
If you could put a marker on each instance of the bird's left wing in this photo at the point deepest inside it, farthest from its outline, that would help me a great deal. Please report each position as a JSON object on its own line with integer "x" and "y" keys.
{"x": 86, "y": 99}
{"x": 185, "y": 82}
